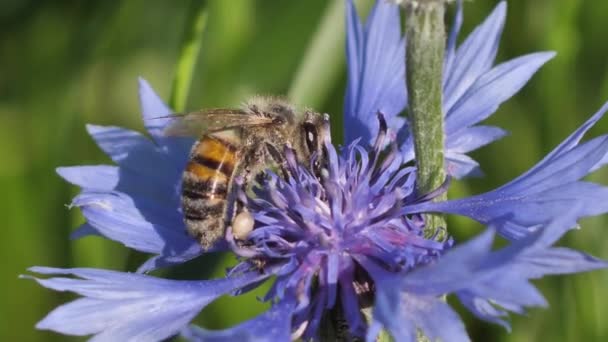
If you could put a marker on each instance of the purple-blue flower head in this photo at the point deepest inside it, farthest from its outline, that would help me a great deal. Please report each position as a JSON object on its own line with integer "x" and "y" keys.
{"x": 340, "y": 239}
{"x": 347, "y": 238}
{"x": 473, "y": 88}
{"x": 310, "y": 234}
{"x": 318, "y": 229}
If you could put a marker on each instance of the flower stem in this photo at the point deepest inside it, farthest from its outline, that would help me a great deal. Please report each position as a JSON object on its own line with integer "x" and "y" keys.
{"x": 425, "y": 34}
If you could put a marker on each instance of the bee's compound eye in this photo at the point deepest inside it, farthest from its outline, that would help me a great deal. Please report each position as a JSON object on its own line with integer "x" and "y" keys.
{"x": 242, "y": 225}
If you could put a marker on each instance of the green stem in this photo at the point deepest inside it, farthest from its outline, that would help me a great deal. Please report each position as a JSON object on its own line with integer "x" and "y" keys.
{"x": 188, "y": 54}
{"x": 425, "y": 33}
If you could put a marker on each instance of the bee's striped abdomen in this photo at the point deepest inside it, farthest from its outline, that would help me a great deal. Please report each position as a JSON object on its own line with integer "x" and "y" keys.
{"x": 205, "y": 188}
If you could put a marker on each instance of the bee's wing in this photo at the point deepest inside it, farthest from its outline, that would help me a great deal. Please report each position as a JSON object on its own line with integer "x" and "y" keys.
{"x": 213, "y": 120}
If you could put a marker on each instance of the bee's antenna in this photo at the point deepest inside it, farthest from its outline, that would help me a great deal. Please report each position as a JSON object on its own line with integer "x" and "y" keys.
{"x": 172, "y": 115}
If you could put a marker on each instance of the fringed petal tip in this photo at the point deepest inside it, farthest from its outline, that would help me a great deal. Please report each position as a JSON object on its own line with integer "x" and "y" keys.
{"x": 119, "y": 306}
{"x": 489, "y": 283}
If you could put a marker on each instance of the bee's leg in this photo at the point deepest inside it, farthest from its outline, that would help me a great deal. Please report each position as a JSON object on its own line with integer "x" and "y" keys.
{"x": 279, "y": 159}
{"x": 237, "y": 216}
{"x": 256, "y": 164}
{"x": 251, "y": 168}
{"x": 233, "y": 207}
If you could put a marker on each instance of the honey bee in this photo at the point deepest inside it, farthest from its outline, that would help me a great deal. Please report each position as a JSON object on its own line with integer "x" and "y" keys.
{"x": 240, "y": 143}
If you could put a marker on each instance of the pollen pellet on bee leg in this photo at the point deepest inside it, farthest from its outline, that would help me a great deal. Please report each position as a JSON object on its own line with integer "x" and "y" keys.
{"x": 242, "y": 225}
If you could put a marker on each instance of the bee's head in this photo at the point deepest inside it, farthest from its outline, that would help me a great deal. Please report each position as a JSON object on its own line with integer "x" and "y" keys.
{"x": 314, "y": 132}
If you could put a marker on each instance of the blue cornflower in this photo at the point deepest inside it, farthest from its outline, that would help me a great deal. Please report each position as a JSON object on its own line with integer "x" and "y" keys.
{"x": 472, "y": 87}
{"x": 342, "y": 238}
{"x": 353, "y": 237}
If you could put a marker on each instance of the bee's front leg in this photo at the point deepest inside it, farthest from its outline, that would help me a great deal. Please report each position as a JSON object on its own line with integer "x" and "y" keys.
{"x": 278, "y": 158}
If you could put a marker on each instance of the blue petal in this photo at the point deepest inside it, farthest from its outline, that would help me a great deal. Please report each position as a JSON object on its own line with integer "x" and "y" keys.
{"x": 350, "y": 301}
{"x": 450, "y": 50}
{"x": 108, "y": 178}
{"x": 475, "y": 56}
{"x": 460, "y": 165}
{"x": 354, "y": 49}
{"x": 465, "y": 140}
{"x": 273, "y": 325}
{"x": 479, "y": 101}
{"x": 569, "y": 143}
{"x": 507, "y": 287}
{"x": 483, "y": 309}
{"x": 332, "y": 269}
{"x": 454, "y": 271}
{"x": 376, "y": 71}
{"x": 155, "y": 115}
{"x": 472, "y": 138}
{"x": 116, "y": 216}
{"x": 388, "y": 313}
{"x": 125, "y": 306}
{"x": 480, "y": 276}
{"x": 558, "y": 261}
{"x": 402, "y": 313}
{"x": 435, "y": 318}
{"x": 542, "y": 193}
{"x": 491, "y": 89}
{"x": 154, "y": 110}
{"x": 138, "y": 222}
{"x": 176, "y": 256}
{"x": 98, "y": 177}
{"x": 133, "y": 151}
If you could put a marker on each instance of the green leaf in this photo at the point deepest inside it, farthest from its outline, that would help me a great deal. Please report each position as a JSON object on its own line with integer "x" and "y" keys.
{"x": 188, "y": 54}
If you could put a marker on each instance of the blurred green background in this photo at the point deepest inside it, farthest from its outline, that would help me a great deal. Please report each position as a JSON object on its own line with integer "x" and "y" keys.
{"x": 67, "y": 63}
